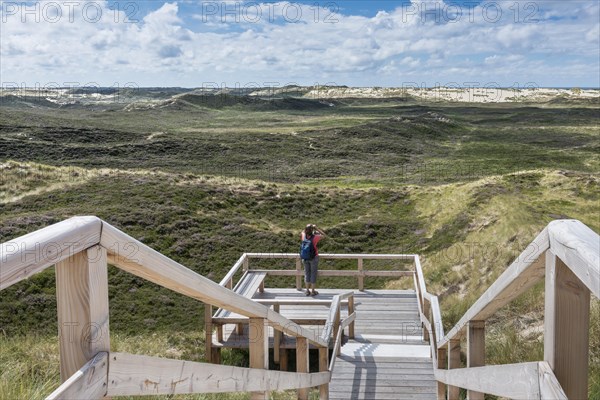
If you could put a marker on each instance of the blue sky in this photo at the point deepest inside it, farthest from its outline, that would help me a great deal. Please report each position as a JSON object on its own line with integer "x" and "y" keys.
{"x": 273, "y": 43}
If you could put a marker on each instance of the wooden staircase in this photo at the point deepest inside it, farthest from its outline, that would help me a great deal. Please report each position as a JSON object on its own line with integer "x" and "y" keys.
{"x": 372, "y": 344}
{"x": 389, "y": 359}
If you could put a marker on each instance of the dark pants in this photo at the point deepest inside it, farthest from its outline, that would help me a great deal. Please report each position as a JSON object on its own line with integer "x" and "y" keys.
{"x": 311, "y": 268}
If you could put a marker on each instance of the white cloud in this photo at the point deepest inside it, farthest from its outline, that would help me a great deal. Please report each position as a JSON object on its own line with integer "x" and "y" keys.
{"x": 165, "y": 48}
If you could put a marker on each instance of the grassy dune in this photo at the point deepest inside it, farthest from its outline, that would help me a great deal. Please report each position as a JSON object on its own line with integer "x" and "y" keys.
{"x": 467, "y": 187}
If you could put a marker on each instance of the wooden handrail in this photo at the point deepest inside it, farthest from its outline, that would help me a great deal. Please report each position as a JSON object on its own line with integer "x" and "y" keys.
{"x": 296, "y": 302}
{"x": 338, "y": 339}
{"x": 530, "y": 380}
{"x": 568, "y": 239}
{"x": 27, "y": 255}
{"x": 360, "y": 273}
{"x": 337, "y": 272}
{"x": 420, "y": 281}
{"x": 334, "y": 314}
{"x": 229, "y": 277}
{"x": 135, "y": 375}
{"x": 577, "y": 248}
{"x": 336, "y": 256}
{"x": 523, "y": 273}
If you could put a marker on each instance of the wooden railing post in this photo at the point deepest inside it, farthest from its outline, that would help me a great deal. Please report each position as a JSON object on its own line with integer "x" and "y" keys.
{"x": 426, "y": 312}
{"x": 475, "y": 351}
{"x": 259, "y": 349}
{"x": 361, "y": 277}
{"x": 350, "y": 311}
{"x": 336, "y": 326}
{"x": 323, "y": 366}
{"x": 453, "y": 362}
{"x": 302, "y": 363}
{"x": 276, "y": 339}
{"x": 566, "y": 327}
{"x": 283, "y": 359}
{"x": 442, "y": 361}
{"x": 298, "y": 276}
{"x": 208, "y": 332}
{"x": 82, "y": 305}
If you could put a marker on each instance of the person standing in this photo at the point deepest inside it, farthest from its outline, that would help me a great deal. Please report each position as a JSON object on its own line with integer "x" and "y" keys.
{"x": 309, "y": 253}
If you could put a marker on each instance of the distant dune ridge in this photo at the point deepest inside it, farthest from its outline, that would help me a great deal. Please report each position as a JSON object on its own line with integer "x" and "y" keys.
{"x": 286, "y": 97}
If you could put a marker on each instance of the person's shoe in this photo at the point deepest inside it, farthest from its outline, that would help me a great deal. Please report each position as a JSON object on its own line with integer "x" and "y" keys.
{"x": 308, "y": 292}
{"x": 314, "y": 293}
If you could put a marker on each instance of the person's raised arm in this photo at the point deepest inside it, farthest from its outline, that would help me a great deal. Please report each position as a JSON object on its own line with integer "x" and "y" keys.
{"x": 320, "y": 231}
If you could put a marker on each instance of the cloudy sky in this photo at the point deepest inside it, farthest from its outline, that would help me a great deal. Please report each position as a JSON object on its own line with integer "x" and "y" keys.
{"x": 356, "y": 43}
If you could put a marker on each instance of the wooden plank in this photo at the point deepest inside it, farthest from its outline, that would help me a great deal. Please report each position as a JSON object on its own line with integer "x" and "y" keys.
{"x": 302, "y": 363}
{"x": 566, "y": 328}
{"x": 81, "y": 294}
{"x": 138, "y": 259}
{"x": 89, "y": 382}
{"x": 527, "y": 270}
{"x": 419, "y": 366}
{"x": 27, "y": 255}
{"x": 476, "y": 352}
{"x": 516, "y": 381}
{"x": 579, "y": 247}
{"x": 246, "y": 287}
{"x": 297, "y": 302}
{"x": 380, "y": 396}
{"x": 255, "y": 281}
{"x": 453, "y": 362}
{"x": 365, "y": 376}
{"x": 361, "y": 278}
{"x": 137, "y": 375}
{"x": 380, "y": 383}
{"x": 376, "y": 392}
{"x": 259, "y": 350}
{"x": 550, "y": 388}
{"x": 298, "y": 320}
{"x": 324, "y": 366}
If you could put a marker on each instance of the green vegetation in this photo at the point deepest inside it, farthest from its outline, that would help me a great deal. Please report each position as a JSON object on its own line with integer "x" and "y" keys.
{"x": 465, "y": 186}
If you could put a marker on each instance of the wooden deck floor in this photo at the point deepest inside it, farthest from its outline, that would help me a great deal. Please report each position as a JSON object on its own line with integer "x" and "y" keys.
{"x": 387, "y": 359}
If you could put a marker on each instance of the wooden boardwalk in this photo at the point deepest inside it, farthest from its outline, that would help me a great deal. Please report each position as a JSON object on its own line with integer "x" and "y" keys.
{"x": 387, "y": 359}
{"x": 371, "y": 343}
